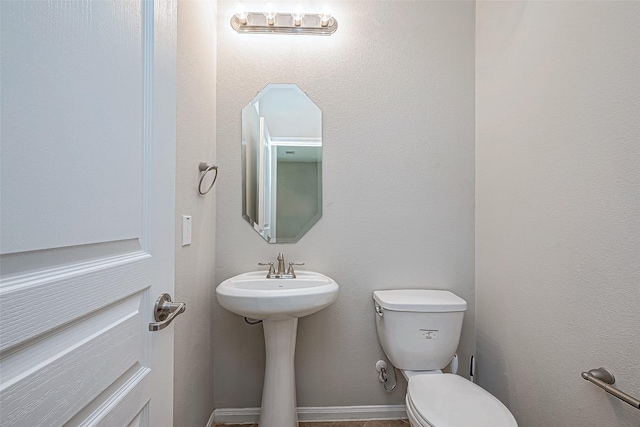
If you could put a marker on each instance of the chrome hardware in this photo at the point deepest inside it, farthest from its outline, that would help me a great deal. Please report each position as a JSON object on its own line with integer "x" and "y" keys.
{"x": 381, "y": 367}
{"x": 165, "y": 311}
{"x": 272, "y": 272}
{"x": 604, "y": 379}
{"x": 254, "y": 23}
{"x": 290, "y": 271}
{"x": 281, "y": 274}
{"x": 252, "y": 322}
{"x": 280, "y": 265}
{"x": 204, "y": 169}
{"x": 379, "y": 311}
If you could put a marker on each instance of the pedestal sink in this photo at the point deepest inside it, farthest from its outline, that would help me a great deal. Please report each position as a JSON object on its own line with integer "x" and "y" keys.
{"x": 278, "y": 303}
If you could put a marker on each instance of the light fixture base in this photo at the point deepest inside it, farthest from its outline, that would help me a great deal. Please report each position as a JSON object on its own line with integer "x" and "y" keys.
{"x": 256, "y": 23}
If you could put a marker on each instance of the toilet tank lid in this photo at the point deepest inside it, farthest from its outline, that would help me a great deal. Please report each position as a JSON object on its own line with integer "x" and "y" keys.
{"x": 419, "y": 300}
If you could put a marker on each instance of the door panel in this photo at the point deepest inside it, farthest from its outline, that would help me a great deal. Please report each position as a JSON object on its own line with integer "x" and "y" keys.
{"x": 34, "y": 304}
{"x": 84, "y": 349}
{"x": 87, "y": 211}
{"x": 72, "y": 84}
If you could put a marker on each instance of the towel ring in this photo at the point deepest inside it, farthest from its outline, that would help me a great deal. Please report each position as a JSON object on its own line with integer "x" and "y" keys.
{"x": 205, "y": 168}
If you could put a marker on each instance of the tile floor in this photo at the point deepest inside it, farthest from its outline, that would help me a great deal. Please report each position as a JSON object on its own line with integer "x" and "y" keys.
{"x": 372, "y": 423}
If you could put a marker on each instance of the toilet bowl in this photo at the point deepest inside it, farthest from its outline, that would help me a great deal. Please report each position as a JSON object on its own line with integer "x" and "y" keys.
{"x": 419, "y": 331}
{"x": 448, "y": 400}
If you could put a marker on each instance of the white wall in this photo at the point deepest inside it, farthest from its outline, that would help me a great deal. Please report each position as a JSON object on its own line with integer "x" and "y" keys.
{"x": 195, "y": 269}
{"x": 558, "y": 196}
{"x": 396, "y": 87}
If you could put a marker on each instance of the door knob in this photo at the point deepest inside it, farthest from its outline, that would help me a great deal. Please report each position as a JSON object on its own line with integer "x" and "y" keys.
{"x": 165, "y": 311}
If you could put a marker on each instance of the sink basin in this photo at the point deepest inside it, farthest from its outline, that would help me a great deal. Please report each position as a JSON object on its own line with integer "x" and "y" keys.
{"x": 253, "y": 295}
{"x": 278, "y": 303}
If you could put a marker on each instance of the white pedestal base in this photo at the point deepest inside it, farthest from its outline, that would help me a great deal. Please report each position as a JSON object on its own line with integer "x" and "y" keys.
{"x": 279, "y": 408}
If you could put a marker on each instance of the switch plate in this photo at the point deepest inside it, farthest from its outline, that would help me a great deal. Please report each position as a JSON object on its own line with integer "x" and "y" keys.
{"x": 186, "y": 230}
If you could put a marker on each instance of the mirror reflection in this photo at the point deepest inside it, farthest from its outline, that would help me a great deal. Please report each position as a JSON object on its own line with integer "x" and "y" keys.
{"x": 281, "y": 163}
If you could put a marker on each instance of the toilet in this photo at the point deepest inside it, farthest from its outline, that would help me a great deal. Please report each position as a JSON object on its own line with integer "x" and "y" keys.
{"x": 419, "y": 331}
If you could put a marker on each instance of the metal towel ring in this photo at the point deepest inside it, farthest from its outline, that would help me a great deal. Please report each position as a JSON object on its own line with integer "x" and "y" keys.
{"x": 205, "y": 168}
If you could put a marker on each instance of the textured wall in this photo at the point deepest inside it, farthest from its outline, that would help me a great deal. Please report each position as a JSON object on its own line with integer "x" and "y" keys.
{"x": 396, "y": 87}
{"x": 558, "y": 196}
{"x": 195, "y": 269}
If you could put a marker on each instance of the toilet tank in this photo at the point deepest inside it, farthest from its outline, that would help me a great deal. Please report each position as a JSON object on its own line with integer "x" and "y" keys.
{"x": 419, "y": 329}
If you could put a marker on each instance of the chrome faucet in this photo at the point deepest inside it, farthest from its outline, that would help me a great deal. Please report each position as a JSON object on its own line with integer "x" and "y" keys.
{"x": 281, "y": 273}
{"x": 280, "y": 265}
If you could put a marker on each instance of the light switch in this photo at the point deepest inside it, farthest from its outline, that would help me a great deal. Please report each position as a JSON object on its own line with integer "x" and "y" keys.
{"x": 186, "y": 230}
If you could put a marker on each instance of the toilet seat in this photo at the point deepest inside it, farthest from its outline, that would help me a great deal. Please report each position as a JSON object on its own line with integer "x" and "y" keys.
{"x": 415, "y": 420}
{"x": 447, "y": 400}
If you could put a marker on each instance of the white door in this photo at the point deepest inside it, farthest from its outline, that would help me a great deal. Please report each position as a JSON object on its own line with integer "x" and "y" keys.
{"x": 87, "y": 164}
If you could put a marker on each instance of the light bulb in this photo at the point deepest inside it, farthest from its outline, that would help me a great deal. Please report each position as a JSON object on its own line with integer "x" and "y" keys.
{"x": 270, "y": 13}
{"x": 297, "y": 15}
{"x": 241, "y": 13}
{"x": 325, "y": 15}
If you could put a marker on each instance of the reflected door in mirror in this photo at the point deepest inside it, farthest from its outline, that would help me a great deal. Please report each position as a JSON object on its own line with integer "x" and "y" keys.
{"x": 281, "y": 163}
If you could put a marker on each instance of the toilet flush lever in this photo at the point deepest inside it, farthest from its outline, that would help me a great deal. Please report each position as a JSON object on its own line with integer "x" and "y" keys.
{"x": 165, "y": 311}
{"x": 379, "y": 311}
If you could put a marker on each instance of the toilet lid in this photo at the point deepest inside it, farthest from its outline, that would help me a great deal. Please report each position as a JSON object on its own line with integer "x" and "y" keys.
{"x": 447, "y": 400}
{"x": 419, "y": 300}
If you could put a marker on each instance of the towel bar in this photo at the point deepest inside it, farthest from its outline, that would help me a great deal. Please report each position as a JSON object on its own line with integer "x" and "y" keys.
{"x": 603, "y": 379}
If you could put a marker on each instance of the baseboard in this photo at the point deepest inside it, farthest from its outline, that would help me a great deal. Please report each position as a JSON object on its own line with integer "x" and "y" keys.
{"x": 211, "y": 418}
{"x": 349, "y": 413}
{"x": 324, "y": 413}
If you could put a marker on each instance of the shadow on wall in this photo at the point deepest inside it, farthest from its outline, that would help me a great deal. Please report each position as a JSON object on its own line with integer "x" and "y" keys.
{"x": 493, "y": 376}
{"x": 491, "y": 368}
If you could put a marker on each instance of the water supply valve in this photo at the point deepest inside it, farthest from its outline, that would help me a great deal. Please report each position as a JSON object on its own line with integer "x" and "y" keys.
{"x": 381, "y": 367}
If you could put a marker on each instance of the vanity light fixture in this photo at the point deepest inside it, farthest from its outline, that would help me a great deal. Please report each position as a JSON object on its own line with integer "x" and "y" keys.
{"x": 270, "y": 21}
{"x": 325, "y": 16}
{"x": 241, "y": 13}
{"x": 297, "y": 15}
{"x": 270, "y": 14}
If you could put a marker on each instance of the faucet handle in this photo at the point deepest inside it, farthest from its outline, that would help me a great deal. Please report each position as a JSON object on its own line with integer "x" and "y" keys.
{"x": 272, "y": 270}
{"x": 290, "y": 270}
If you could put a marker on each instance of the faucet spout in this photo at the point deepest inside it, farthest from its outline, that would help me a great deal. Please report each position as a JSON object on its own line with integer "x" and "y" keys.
{"x": 281, "y": 269}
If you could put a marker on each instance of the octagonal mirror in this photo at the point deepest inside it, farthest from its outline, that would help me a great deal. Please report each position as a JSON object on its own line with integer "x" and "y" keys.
{"x": 281, "y": 163}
